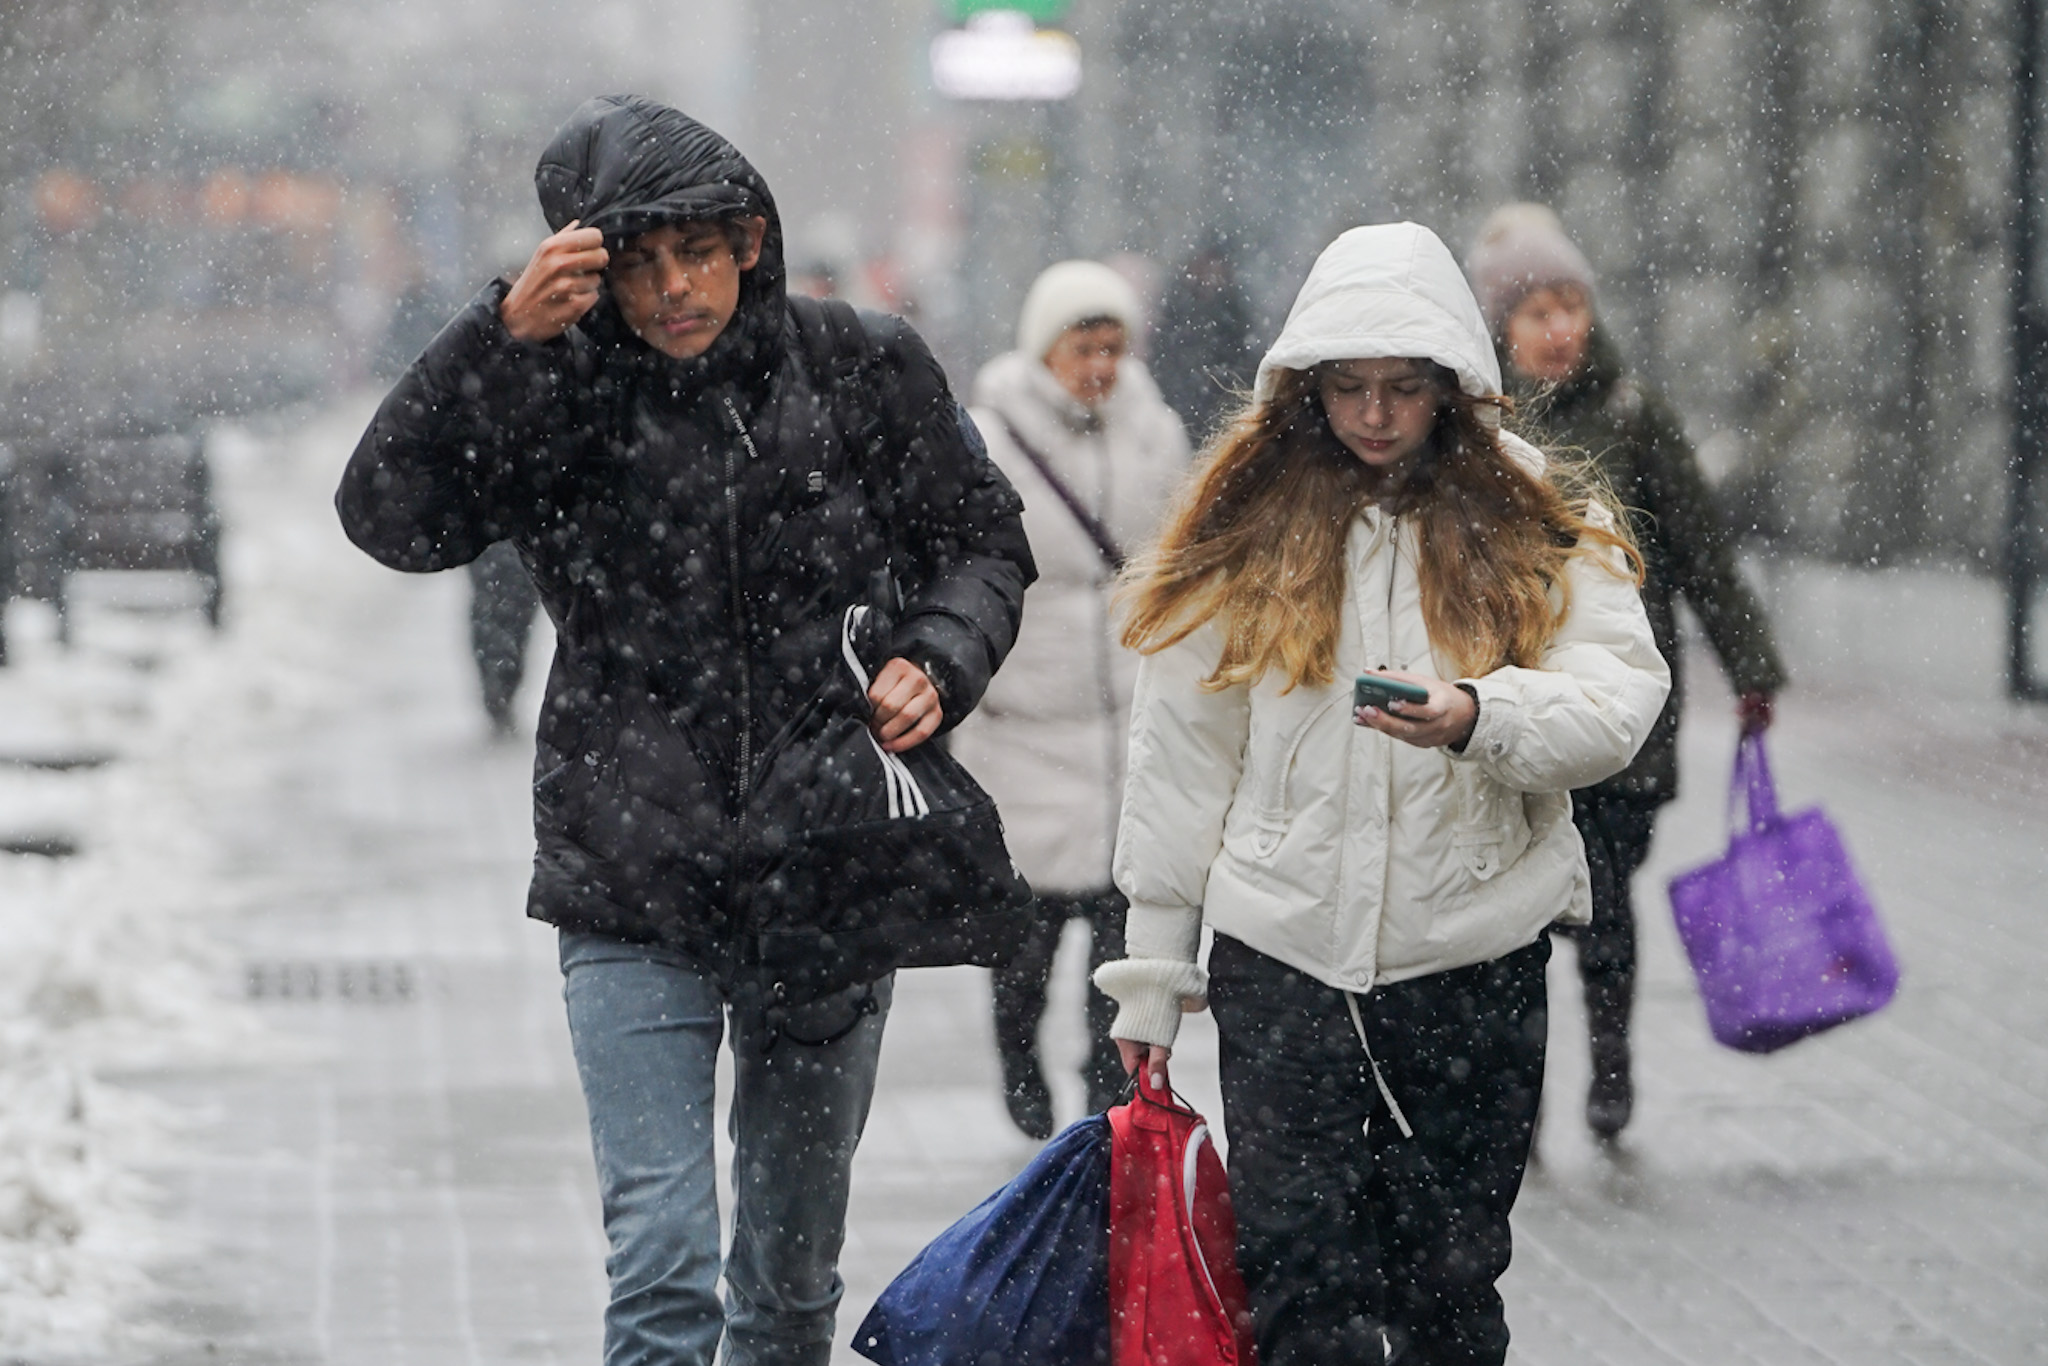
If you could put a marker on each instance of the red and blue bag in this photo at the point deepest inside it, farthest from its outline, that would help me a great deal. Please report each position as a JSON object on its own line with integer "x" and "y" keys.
{"x": 1021, "y": 1279}
{"x": 1114, "y": 1247}
{"x": 1175, "y": 1296}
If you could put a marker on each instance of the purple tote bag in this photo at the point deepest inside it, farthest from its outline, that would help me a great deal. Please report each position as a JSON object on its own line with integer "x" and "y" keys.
{"x": 1781, "y": 935}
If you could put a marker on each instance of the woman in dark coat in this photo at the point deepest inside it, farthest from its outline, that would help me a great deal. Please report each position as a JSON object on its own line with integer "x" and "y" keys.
{"x": 1537, "y": 292}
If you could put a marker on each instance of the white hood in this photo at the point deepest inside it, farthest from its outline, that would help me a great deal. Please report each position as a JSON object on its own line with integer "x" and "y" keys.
{"x": 1392, "y": 289}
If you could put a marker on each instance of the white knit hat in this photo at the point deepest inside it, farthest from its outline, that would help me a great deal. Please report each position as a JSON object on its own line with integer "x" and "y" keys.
{"x": 1068, "y": 293}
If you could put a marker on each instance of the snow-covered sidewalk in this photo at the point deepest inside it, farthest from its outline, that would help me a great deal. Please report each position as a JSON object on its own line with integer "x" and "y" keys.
{"x": 292, "y": 953}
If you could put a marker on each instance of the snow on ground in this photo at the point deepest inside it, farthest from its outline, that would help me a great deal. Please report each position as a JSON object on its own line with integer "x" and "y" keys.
{"x": 110, "y": 749}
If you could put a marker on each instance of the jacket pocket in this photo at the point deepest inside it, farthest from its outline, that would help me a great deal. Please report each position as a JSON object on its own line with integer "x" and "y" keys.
{"x": 1478, "y": 851}
{"x": 1492, "y": 829}
{"x": 1271, "y": 814}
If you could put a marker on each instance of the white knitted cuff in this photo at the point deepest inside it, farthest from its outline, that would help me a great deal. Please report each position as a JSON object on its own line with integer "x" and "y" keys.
{"x": 1152, "y": 992}
{"x": 1152, "y": 931}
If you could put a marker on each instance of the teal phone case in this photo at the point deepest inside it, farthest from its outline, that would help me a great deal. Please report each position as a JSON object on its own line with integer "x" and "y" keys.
{"x": 1373, "y": 691}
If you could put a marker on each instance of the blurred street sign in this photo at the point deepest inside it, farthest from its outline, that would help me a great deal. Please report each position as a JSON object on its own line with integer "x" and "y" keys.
{"x": 1037, "y": 11}
{"x": 1003, "y": 55}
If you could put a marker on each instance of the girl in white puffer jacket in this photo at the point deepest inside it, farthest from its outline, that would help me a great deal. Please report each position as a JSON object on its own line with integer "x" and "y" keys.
{"x": 1378, "y": 879}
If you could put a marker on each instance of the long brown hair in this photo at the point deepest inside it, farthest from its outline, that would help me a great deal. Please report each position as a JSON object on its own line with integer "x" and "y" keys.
{"x": 1256, "y": 540}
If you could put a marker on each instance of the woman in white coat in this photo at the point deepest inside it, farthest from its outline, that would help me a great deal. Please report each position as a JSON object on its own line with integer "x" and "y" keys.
{"x": 1078, "y": 426}
{"x": 1378, "y": 878}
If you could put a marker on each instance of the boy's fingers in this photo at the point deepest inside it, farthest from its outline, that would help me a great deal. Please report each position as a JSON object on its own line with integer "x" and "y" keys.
{"x": 888, "y": 701}
{"x": 926, "y": 726}
{"x": 904, "y": 716}
{"x": 582, "y": 262}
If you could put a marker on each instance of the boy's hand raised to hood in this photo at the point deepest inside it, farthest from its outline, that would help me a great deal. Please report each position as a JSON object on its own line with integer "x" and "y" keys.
{"x": 558, "y": 286}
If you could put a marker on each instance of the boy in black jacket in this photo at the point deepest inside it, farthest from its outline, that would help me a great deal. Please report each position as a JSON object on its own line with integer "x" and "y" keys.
{"x": 639, "y": 414}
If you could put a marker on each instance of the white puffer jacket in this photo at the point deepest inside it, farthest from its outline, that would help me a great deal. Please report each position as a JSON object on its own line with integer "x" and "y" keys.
{"x": 1048, "y": 739}
{"x": 1339, "y": 851}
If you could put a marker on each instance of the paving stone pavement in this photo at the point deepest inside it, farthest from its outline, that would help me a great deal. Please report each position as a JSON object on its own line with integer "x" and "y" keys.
{"x": 414, "y": 1186}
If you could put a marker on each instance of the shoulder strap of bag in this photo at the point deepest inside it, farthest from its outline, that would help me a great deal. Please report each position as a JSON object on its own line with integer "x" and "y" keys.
{"x": 1753, "y": 785}
{"x": 1105, "y": 544}
{"x": 1625, "y": 401}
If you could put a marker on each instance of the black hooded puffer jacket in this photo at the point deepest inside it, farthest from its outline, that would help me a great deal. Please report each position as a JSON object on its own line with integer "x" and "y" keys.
{"x": 697, "y": 529}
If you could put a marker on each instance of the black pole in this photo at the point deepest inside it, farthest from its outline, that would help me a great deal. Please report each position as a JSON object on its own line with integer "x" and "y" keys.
{"x": 2029, "y": 413}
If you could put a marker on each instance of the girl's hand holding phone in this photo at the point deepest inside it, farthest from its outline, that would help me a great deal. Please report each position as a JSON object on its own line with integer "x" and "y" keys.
{"x": 1447, "y": 718}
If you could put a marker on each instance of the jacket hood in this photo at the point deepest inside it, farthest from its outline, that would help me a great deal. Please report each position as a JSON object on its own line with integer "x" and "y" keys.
{"x": 1392, "y": 289}
{"x": 623, "y": 164}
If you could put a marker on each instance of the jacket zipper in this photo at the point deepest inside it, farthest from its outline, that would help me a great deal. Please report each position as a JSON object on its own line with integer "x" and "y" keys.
{"x": 739, "y": 612}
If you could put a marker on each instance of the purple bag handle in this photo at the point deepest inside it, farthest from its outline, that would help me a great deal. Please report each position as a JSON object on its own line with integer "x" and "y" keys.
{"x": 1753, "y": 784}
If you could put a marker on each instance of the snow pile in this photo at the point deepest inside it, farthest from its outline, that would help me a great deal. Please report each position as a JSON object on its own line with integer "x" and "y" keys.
{"x": 110, "y": 952}
{"x": 75, "y": 1234}
{"x": 110, "y": 962}
{"x": 106, "y": 967}
{"x": 116, "y": 961}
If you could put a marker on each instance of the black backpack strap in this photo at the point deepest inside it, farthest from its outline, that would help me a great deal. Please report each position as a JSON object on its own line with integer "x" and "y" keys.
{"x": 842, "y": 357}
{"x": 834, "y": 339}
{"x": 845, "y": 361}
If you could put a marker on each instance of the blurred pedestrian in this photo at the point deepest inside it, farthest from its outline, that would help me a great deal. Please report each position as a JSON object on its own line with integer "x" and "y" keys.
{"x": 1379, "y": 878}
{"x": 1076, "y": 423}
{"x": 1205, "y": 347}
{"x": 502, "y": 603}
{"x": 705, "y": 477}
{"x": 1537, "y": 291}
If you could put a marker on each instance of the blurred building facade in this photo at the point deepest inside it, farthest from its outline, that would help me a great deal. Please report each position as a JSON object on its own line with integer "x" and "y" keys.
{"x": 208, "y": 205}
{"x": 1799, "y": 210}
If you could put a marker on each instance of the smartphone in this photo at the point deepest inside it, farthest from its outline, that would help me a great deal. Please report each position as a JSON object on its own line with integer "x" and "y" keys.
{"x": 1371, "y": 690}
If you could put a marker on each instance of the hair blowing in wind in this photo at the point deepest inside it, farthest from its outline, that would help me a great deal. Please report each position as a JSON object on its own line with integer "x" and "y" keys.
{"x": 1256, "y": 541}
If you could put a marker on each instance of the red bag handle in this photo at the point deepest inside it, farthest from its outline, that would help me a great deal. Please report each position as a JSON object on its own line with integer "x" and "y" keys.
{"x": 1158, "y": 1095}
{"x": 1163, "y": 1096}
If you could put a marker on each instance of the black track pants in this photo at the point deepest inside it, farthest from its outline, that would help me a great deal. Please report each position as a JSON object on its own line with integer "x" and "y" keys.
{"x": 1342, "y": 1233}
{"x": 1616, "y": 831}
{"x": 502, "y": 604}
{"x": 1019, "y": 986}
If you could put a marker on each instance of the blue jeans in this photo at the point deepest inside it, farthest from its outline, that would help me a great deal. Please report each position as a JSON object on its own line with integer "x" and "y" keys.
{"x": 646, "y": 1026}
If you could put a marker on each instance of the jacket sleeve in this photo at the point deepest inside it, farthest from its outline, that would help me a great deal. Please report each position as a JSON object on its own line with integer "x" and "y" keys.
{"x": 1702, "y": 554}
{"x": 959, "y": 524}
{"x": 1187, "y": 755}
{"x": 1584, "y": 712}
{"x": 442, "y": 470}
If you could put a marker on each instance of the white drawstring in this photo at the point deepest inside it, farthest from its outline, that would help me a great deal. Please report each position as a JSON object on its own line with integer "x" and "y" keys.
{"x": 1386, "y": 1092}
{"x": 905, "y": 796}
